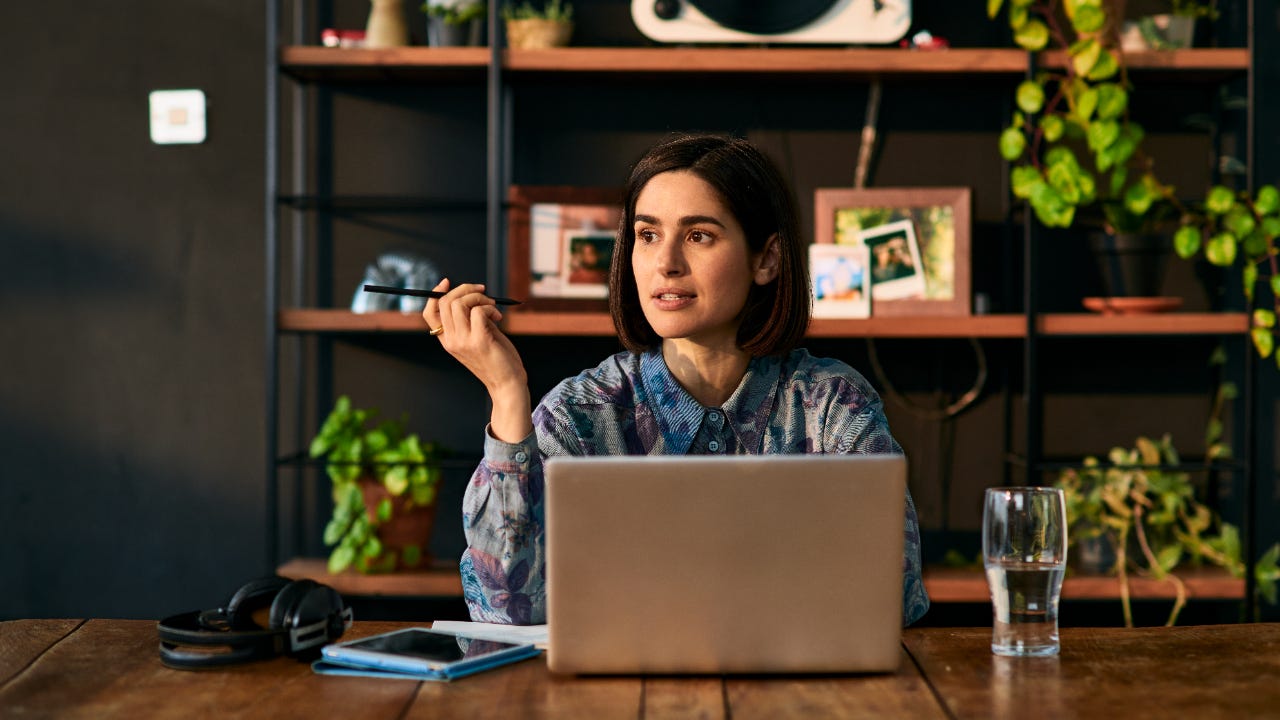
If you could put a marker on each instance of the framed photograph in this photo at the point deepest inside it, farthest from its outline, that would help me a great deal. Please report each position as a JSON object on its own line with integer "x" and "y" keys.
{"x": 917, "y": 240}
{"x": 560, "y": 244}
{"x": 841, "y": 279}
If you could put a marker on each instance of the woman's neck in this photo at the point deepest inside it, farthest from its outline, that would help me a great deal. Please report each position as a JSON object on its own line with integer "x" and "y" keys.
{"x": 710, "y": 375}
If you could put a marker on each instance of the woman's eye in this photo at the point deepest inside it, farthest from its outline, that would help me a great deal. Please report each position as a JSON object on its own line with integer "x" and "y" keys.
{"x": 646, "y": 236}
{"x": 698, "y": 236}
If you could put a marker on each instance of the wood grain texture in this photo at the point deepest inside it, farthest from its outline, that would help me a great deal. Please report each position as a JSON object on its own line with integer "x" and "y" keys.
{"x": 904, "y": 694}
{"x": 1221, "y": 671}
{"x": 440, "y": 580}
{"x": 22, "y": 641}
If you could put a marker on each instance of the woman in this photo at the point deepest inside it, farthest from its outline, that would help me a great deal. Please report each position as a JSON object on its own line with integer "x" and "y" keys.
{"x": 709, "y": 294}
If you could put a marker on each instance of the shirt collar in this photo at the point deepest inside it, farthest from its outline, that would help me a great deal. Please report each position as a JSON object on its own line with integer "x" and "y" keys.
{"x": 679, "y": 415}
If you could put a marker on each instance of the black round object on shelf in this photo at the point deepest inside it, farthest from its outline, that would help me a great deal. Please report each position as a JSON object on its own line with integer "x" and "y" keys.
{"x": 763, "y": 17}
{"x": 666, "y": 9}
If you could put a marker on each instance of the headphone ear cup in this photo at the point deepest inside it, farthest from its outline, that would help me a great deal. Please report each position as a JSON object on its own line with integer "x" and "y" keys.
{"x": 251, "y": 597}
{"x": 287, "y": 603}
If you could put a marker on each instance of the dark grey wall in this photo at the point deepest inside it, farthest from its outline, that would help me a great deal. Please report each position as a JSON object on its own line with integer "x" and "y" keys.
{"x": 131, "y": 374}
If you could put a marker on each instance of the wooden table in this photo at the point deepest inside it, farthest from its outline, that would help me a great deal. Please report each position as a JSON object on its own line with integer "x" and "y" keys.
{"x": 111, "y": 668}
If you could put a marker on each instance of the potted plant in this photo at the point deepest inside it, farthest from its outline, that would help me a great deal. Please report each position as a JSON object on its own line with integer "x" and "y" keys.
{"x": 1149, "y": 517}
{"x": 384, "y": 490}
{"x": 531, "y": 28}
{"x": 1072, "y": 145}
{"x": 455, "y": 22}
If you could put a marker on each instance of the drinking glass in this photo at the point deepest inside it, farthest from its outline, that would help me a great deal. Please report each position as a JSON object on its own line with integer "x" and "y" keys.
{"x": 1024, "y": 551}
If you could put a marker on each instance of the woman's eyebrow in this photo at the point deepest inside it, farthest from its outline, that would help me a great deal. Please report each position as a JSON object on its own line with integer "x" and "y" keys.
{"x": 686, "y": 220}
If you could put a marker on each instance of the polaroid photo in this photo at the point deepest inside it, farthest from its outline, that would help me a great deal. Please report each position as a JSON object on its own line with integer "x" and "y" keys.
{"x": 841, "y": 281}
{"x": 585, "y": 259}
{"x": 896, "y": 270}
{"x": 570, "y": 248}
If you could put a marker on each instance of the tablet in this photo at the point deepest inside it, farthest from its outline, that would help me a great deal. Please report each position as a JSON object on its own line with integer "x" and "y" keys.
{"x": 424, "y": 652}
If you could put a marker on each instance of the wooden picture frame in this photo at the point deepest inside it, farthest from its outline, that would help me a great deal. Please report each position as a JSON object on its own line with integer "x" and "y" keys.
{"x": 544, "y": 224}
{"x": 932, "y": 224}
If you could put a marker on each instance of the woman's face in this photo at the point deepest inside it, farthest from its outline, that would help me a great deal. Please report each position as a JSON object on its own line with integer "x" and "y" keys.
{"x": 692, "y": 266}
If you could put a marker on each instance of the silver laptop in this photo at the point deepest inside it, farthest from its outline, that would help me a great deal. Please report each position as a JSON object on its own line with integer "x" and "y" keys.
{"x": 725, "y": 564}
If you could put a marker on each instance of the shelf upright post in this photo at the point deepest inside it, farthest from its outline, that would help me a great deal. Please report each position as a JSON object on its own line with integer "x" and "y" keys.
{"x": 271, "y": 261}
{"x": 495, "y": 246}
{"x": 1262, "y": 481}
{"x": 1033, "y": 405}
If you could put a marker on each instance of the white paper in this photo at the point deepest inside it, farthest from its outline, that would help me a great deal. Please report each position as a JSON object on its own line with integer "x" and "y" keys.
{"x": 534, "y": 634}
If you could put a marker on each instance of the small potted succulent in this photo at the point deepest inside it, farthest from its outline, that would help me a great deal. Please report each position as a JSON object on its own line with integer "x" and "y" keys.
{"x": 384, "y": 491}
{"x": 531, "y": 28}
{"x": 452, "y": 23}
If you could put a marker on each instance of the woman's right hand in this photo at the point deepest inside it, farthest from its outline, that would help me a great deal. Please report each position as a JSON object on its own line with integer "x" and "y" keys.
{"x": 468, "y": 321}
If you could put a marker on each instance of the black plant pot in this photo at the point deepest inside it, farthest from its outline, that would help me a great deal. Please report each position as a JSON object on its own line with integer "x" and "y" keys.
{"x": 1131, "y": 265}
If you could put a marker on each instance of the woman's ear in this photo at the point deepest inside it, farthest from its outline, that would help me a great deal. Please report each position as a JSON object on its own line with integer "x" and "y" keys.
{"x": 768, "y": 261}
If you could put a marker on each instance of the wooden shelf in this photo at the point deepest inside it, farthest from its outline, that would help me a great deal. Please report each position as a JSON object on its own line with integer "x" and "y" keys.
{"x": 442, "y": 579}
{"x": 589, "y": 324}
{"x": 410, "y": 63}
{"x": 1177, "y": 323}
{"x": 951, "y": 585}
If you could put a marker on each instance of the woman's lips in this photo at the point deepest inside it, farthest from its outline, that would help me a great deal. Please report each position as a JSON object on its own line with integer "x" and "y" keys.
{"x": 672, "y": 299}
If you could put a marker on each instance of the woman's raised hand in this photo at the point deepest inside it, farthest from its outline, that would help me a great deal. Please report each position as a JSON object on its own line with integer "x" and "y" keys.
{"x": 465, "y": 320}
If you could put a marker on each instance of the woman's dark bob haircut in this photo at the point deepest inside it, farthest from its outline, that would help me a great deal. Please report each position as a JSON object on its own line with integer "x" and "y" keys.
{"x": 776, "y": 315}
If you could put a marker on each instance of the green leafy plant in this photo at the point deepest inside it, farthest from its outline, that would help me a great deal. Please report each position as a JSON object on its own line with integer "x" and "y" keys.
{"x": 1195, "y": 8}
{"x": 551, "y": 10}
{"x": 384, "y": 453}
{"x": 1153, "y": 521}
{"x": 455, "y": 12}
{"x": 1073, "y": 145}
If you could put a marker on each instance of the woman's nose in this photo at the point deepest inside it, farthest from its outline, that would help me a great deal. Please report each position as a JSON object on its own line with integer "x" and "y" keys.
{"x": 671, "y": 259}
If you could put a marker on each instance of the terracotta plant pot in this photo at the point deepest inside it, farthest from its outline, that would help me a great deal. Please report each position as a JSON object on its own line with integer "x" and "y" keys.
{"x": 409, "y": 526}
{"x": 535, "y": 33}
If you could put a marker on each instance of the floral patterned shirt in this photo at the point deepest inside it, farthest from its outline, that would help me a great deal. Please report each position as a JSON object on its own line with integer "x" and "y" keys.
{"x": 632, "y": 405}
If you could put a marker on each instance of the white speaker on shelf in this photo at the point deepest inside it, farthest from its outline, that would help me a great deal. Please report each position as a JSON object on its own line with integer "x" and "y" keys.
{"x": 773, "y": 21}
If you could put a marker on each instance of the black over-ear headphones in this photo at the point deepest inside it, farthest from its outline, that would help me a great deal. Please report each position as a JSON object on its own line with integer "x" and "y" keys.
{"x": 303, "y": 615}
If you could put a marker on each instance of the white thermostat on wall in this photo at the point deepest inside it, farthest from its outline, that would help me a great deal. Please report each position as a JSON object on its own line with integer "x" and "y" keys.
{"x": 773, "y": 21}
{"x": 177, "y": 116}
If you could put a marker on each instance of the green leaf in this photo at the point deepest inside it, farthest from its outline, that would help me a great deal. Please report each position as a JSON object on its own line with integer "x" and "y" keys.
{"x": 341, "y": 558}
{"x": 1032, "y": 36}
{"x": 1239, "y": 221}
{"x": 1268, "y": 200}
{"x": 1023, "y": 179}
{"x": 1249, "y": 279}
{"x": 384, "y": 510}
{"x": 1012, "y": 143}
{"x": 1112, "y": 101}
{"x": 1263, "y": 340}
{"x": 1264, "y": 318}
{"x": 1086, "y": 105}
{"x": 1052, "y": 126}
{"x": 1084, "y": 55}
{"x": 335, "y": 529}
{"x": 1107, "y": 66}
{"x": 1220, "y": 200}
{"x": 1255, "y": 244}
{"x": 372, "y": 548}
{"x": 1102, "y": 134}
{"x": 1271, "y": 226}
{"x": 411, "y": 555}
{"x": 1275, "y": 282}
{"x": 1139, "y": 196}
{"x": 397, "y": 480}
{"x": 1186, "y": 241}
{"x": 1030, "y": 97}
{"x": 1221, "y": 250}
{"x": 1088, "y": 19}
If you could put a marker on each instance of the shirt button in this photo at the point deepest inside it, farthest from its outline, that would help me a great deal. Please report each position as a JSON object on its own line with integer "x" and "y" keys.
{"x": 714, "y": 445}
{"x": 521, "y": 456}
{"x": 715, "y": 418}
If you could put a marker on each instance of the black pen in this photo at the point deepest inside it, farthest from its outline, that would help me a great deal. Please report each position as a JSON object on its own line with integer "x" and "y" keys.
{"x": 425, "y": 293}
